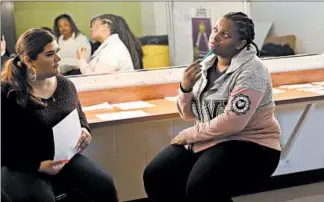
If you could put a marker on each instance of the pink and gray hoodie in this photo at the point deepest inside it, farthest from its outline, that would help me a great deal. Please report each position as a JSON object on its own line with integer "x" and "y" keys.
{"x": 238, "y": 107}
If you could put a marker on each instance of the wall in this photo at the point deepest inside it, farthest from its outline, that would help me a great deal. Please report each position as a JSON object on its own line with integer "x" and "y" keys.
{"x": 304, "y": 19}
{"x": 154, "y": 19}
{"x": 37, "y": 14}
{"x": 160, "y": 18}
{"x": 307, "y": 153}
{"x": 148, "y": 18}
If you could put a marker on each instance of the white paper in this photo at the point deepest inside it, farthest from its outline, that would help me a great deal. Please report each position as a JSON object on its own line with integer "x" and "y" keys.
{"x": 314, "y": 88}
{"x": 66, "y": 135}
{"x": 133, "y": 105}
{"x": 319, "y": 83}
{"x": 308, "y": 85}
{"x": 104, "y": 105}
{"x": 277, "y": 91}
{"x": 172, "y": 99}
{"x": 321, "y": 92}
{"x": 121, "y": 115}
{"x": 318, "y": 91}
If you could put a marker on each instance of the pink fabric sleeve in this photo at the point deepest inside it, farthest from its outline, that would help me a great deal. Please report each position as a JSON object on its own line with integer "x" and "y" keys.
{"x": 184, "y": 105}
{"x": 242, "y": 104}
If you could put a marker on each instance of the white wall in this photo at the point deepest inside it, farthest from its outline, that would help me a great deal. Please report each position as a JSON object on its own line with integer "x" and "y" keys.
{"x": 160, "y": 18}
{"x": 148, "y": 18}
{"x": 154, "y": 18}
{"x": 308, "y": 152}
{"x": 304, "y": 19}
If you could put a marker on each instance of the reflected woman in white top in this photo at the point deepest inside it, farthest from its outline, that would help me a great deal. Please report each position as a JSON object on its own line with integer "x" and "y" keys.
{"x": 120, "y": 50}
{"x": 70, "y": 39}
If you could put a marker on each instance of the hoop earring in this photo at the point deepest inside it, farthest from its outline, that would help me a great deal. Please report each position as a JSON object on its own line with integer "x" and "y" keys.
{"x": 32, "y": 75}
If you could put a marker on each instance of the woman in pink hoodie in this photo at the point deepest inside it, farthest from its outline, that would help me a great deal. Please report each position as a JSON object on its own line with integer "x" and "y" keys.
{"x": 235, "y": 142}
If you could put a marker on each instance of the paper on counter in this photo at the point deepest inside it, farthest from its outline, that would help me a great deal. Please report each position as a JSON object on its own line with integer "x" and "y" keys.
{"x": 277, "y": 91}
{"x": 307, "y": 85}
{"x": 104, "y": 105}
{"x": 318, "y": 90}
{"x": 321, "y": 92}
{"x": 314, "y": 88}
{"x": 319, "y": 83}
{"x": 121, "y": 115}
{"x": 66, "y": 136}
{"x": 133, "y": 105}
{"x": 172, "y": 99}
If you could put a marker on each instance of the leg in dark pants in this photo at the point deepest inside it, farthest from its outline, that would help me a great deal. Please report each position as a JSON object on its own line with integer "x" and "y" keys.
{"x": 165, "y": 177}
{"x": 217, "y": 174}
{"x": 89, "y": 178}
{"x": 25, "y": 187}
{"x": 229, "y": 167}
{"x": 4, "y": 196}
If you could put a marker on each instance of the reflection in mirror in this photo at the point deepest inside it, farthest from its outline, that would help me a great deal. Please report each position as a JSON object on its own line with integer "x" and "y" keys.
{"x": 301, "y": 31}
{"x": 161, "y": 40}
{"x": 101, "y": 37}
{"x": 192, "y": 25}
{"x": 277, "y": 33}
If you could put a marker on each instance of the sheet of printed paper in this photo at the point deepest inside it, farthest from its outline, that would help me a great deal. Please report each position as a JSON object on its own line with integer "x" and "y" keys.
{"x": 172, "y": 99}
{"x": 104, "y": 105}
{"x": 133, "y": 105}
{"x": 121, "y": 115}
{"x": 66, "y": 135}
{"x": 277, "y": 91}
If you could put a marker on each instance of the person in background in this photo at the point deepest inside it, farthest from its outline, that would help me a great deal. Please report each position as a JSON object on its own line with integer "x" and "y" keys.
{"x": 235, "y": 143}
{"x": 34, "y": 98}
{"x": 132, "y": 43}
{"x": 118, "y": 50}
{"x": 5, "y": 55}
{"x": 70, "y": 39}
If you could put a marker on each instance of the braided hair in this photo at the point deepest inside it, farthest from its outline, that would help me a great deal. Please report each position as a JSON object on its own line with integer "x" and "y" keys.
{"x": 245, "y": 27}
{"x": 119, "y": 26}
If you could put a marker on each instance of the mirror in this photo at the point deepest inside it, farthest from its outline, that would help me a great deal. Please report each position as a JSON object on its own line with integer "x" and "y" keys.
{"x": 282, "y": 29}
{"x": 142, "y": 22}
{"x": 173, "y": 34}
{"x": 303, "y": 31}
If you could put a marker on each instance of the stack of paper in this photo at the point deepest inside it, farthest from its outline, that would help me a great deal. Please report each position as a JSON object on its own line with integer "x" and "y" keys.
{"x": 121, "y": 115}
{"x": 321, "y": 92}
{"x": 66, "y": 136}
{"x": 308, "y": 85}
{"x": 276, "y": 91}
{"x": 133, "y": 105}
{"x": 315, "y": 89}
{"x": 104, "y": 105}
{"x": 319, "y": 83}
{"x": 172, "y": 99}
